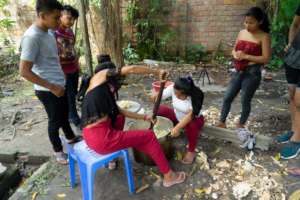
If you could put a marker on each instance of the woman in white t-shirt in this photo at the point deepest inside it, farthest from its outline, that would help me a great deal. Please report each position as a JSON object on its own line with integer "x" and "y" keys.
{"x": 187, "y": 102}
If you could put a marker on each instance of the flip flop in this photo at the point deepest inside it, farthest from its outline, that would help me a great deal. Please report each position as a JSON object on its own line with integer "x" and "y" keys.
{"x": 188, "y": 162}
{"x": 294, "y": 171}
{"x": 112, "y": 165}
{"x": 76, "y": 139}
{"x": 61, "y": 158}
{"x": 180, "y": 179}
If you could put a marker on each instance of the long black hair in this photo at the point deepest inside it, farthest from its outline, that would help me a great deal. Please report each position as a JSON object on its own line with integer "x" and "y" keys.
{"x": 187, "y": 87}
{"x": 261, "y": 17}
{"x": 104, "y": 62}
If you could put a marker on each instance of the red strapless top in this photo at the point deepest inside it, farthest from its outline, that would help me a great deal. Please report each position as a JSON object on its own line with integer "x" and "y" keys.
{"x": 250, "y": 48}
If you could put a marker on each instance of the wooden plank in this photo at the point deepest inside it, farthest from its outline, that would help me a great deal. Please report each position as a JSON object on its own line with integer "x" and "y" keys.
{"x": 262, "y": 142}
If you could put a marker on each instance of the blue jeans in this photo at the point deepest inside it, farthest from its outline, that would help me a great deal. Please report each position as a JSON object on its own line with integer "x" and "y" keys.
{"x": 71, "y": 90}
{"x": 248, "y": 81}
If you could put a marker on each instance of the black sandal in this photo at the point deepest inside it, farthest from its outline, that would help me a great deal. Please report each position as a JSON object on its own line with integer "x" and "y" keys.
{"x": 76, "y": 139}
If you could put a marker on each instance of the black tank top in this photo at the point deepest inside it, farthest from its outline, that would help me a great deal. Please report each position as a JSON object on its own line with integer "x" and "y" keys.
{"x": 98, "y": 103}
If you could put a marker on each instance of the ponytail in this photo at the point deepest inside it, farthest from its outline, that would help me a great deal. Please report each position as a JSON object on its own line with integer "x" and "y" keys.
{"x": 261, "y": 17}
{"x": 187, "y": 86}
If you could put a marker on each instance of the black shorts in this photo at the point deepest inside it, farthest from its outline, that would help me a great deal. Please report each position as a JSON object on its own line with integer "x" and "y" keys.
{"x": 292, "y": 76}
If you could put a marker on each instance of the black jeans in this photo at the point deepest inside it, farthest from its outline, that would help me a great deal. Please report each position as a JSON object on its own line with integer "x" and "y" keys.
{"x": 71, "y": 90}
{"x": 57, "y": 111}
{"x": 248, "y": 81}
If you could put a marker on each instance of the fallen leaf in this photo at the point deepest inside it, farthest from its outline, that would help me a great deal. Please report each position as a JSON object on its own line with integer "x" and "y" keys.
{"x": 179, "y": 155}
{"x": 217, "y": 151}
{"x": 223, "y": 164}
{"x": 61, "y": 195}
{"x": 214, "y": 196}
{"x": 200, "y": 190}
{"x": 277, "y": 157}
{"x": 34, "y": 195}
{"x": 241, "y": 190}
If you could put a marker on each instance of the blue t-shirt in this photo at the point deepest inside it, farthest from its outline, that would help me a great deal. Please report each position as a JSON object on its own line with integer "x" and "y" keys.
{"x": 40, "y": 47}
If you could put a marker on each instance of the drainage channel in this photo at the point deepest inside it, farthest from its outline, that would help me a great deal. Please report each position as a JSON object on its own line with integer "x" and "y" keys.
{"x": 15, "y": 169}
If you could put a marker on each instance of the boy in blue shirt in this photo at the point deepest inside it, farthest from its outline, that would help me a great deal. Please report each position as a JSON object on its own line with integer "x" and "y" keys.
{"x": 40, "y": 65}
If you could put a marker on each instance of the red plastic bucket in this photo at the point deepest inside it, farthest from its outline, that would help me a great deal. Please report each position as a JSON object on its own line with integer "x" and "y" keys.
{"x": 156, "y": 85}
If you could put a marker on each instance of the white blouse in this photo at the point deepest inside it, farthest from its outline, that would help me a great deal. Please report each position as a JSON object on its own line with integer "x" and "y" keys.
{"x": 181, "y": 107}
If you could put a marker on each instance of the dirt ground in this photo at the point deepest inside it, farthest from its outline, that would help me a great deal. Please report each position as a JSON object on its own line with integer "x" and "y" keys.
{"x": 21, "y": 110}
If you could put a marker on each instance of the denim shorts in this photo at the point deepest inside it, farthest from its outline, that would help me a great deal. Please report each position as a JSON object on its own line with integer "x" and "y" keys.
{"x": 292, "y": 76}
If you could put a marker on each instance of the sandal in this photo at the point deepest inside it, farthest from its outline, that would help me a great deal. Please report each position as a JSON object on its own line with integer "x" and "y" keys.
{"x": 112, "y": 165}
{"x": 61, "y": 158}
{"x": 180, "y": 179}
{"x": 185, "y": 162}
{"x": 76, "y": 139}
{"x": 294, "y": 171}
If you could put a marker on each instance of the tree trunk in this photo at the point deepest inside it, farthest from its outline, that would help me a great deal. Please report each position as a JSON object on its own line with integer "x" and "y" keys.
{"x": 87, "y": 52}
{"x": 110, "y": 28}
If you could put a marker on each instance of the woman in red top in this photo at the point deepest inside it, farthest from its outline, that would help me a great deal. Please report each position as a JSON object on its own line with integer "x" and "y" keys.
{"x": 252, "y": 50}
{"x": 103, "y": 121}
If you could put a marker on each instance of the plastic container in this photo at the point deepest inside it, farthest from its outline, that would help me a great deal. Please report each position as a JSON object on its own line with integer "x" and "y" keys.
{"x": 156, "y": 85}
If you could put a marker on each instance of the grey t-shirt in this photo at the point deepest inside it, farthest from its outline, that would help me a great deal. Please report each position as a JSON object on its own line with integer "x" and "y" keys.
{"x": 40, "y": 47}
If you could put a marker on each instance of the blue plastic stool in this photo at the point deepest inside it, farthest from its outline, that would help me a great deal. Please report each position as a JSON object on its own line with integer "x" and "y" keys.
{"x": 89, "y": 161}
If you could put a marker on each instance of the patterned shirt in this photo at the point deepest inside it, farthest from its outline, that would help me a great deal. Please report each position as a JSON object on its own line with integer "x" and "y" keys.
{"x": 66, "y": 49}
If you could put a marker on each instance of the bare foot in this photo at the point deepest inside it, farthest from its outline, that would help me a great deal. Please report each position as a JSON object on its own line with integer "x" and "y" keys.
{"x": 294, "y": 171}
{"x": 173, "y": 178}
{"x": 189, "y": 158}
{"x": 221, "y": 125}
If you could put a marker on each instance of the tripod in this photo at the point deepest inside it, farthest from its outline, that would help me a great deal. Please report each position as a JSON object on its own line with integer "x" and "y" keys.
{"x": 204, "y": 73}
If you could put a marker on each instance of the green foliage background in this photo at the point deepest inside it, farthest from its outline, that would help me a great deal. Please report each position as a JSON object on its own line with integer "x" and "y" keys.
{"x": 279, "y": 30}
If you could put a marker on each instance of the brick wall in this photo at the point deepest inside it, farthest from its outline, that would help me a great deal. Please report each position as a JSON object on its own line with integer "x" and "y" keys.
{"x": 212, "y": 21}
{"x": 207, "y": 22}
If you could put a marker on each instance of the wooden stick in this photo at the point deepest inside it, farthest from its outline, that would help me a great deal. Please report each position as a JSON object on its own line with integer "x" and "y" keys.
{"x": 158, "y": 100}
{"x": 141, "y": 189}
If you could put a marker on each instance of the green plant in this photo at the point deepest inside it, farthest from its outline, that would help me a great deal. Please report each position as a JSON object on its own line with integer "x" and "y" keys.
{"x": 131, "y": 11}
{"x": 279, "y": 31}
{"x": 154, "y": 37}
{"x": 195, "y": 53}
{"x": 220, "y": 57}
{"x": 8, "y": 60}
{"x": 6, "y": 23}
{"x": 130, "y": 55}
